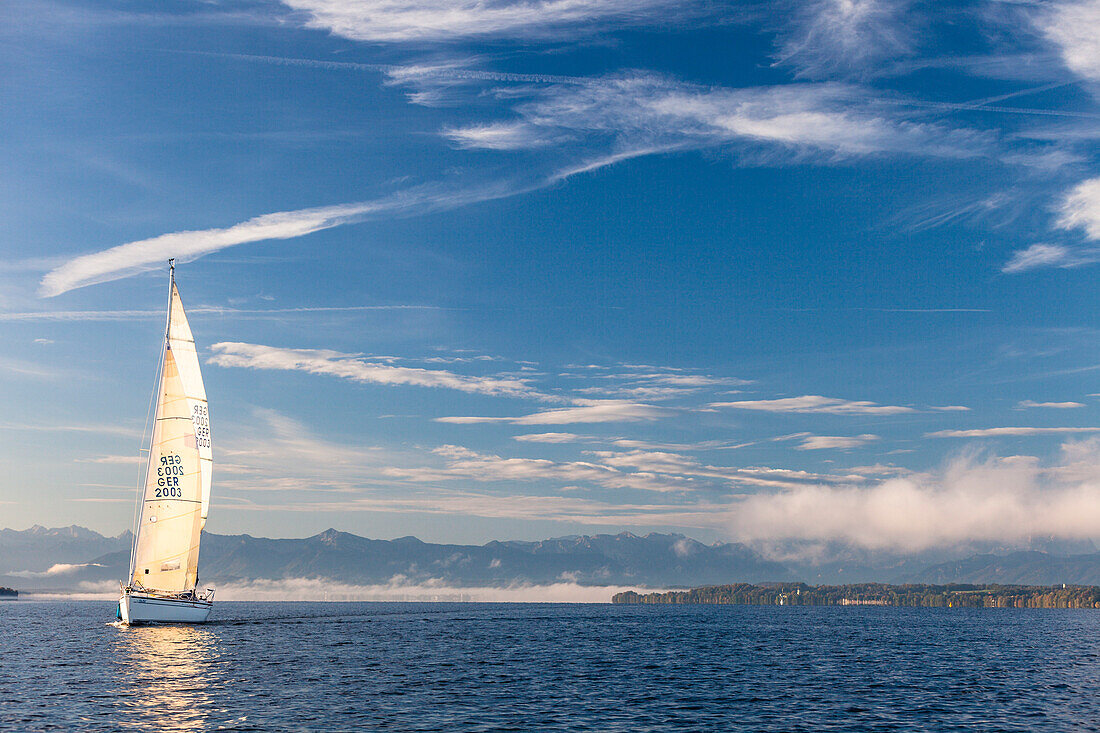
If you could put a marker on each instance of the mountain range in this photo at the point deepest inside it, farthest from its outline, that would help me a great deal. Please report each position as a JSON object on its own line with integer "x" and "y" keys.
{"x": 72, "y": 558}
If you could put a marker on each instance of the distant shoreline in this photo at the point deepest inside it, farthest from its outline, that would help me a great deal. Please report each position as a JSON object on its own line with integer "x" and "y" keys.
{"x": 876, "y": 594}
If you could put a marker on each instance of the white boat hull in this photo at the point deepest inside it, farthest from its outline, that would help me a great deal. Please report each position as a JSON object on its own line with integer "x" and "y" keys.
{"x": 142, "y": 608}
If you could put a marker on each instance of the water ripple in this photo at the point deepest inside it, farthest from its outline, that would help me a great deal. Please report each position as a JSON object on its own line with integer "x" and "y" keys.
{"x": 486, "y": 667}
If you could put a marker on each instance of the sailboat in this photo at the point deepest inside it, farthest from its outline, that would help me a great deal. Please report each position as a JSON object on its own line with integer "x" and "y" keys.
{"x": 162, "y": 585}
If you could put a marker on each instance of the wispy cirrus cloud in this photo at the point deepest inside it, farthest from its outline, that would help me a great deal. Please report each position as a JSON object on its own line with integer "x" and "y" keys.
{"x": 572, "y": 509}
{"x": 502, "y": 136}
{"x": 272, "y": 452}
{"x": 146, "y": 254}
{"x": 1079, "y": 209}
{"x": 586, "y": 411}
{"x": 1024, "y": 404}
{"x": 591, "y": 163}
{"x": 279, "y": 454}
{"x": 127, "y": 259}
{"x": 548, "y": 438}
{"x": 463, "y": 463}
{"x": 398, "y": 73}
{"x": 1050, "y": 255}
{"x": 90, "y": 428}
{"x": 115, "y": 460}
{"x": 1007, "y": 432}
{"x": 647, "y": 112}
{"x": 247, "y": 313}
{"x": 595, "y": 122}
{"x": 444, "y": 20}
{"x": 631, "y": 443}
{"x": 362, "y": 369}
{"x": 996, "y": 499}
{"x": 668, "y": 463}
{"x": 643, "y": 470}
{"x": 655, "y": 386}
{"x": 827, "y": 37}
{"x": 834, "y": 442}
{"x": 816, "y": 403}
{"x": 649, "y": 461}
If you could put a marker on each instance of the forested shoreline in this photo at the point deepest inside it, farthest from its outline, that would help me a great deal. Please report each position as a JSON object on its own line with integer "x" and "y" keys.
{"x": 877, "y": 594}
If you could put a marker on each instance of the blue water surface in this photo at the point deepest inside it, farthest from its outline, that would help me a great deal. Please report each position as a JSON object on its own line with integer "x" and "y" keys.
{"x": 546, "y": 667}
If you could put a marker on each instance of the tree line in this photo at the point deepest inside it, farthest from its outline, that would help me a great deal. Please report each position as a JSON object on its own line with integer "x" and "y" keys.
{"x": 878, "y": 594}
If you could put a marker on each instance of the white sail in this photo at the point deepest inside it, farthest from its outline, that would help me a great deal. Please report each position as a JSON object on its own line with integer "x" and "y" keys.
{"x": 182, "y": 345}
{"x": 177, "y": 485}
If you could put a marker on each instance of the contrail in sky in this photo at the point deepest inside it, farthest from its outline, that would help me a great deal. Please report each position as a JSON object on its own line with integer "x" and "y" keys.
{"x": 397, "y": 71}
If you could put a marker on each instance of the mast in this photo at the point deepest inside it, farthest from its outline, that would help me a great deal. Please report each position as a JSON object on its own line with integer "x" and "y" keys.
{"x": 171, "y": 288}
{"x": 178, "y": 474}
{"x": 139, "y": 510}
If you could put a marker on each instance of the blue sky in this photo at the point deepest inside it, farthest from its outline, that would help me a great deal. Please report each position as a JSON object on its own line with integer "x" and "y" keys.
{"x": 811, "y": 272}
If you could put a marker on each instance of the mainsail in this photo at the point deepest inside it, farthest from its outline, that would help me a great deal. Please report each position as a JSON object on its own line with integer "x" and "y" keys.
{"x": 182, "y": 344}
{"x": 177, "y": 484}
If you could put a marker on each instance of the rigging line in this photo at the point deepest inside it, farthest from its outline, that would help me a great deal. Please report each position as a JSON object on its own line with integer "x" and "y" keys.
{"x": 143, "y": 470}
{"x": 143, "y": 466}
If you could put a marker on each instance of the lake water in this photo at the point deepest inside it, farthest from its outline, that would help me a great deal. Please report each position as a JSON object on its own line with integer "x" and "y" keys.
{"x": 533, "y": 667}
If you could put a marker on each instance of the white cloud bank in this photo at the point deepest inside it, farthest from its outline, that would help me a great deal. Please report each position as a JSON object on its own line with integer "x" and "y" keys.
{"x": 1081, "y": 208}
{"x": 320, "y": 589}
{"x": 397, "y": 590}
{"x": 1024, "y": 404}
{"x": 997, "y": 499}
{"x": 55, "y": 570}
{"x": 1074, "y": 27}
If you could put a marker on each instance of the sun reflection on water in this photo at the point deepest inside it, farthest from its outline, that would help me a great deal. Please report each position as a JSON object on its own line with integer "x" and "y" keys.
{"x": 166, "y": 676}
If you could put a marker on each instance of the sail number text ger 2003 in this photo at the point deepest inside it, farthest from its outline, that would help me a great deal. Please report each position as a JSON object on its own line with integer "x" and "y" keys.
{"x": 202, "y": 426}
{"x": 168, "y": 478}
